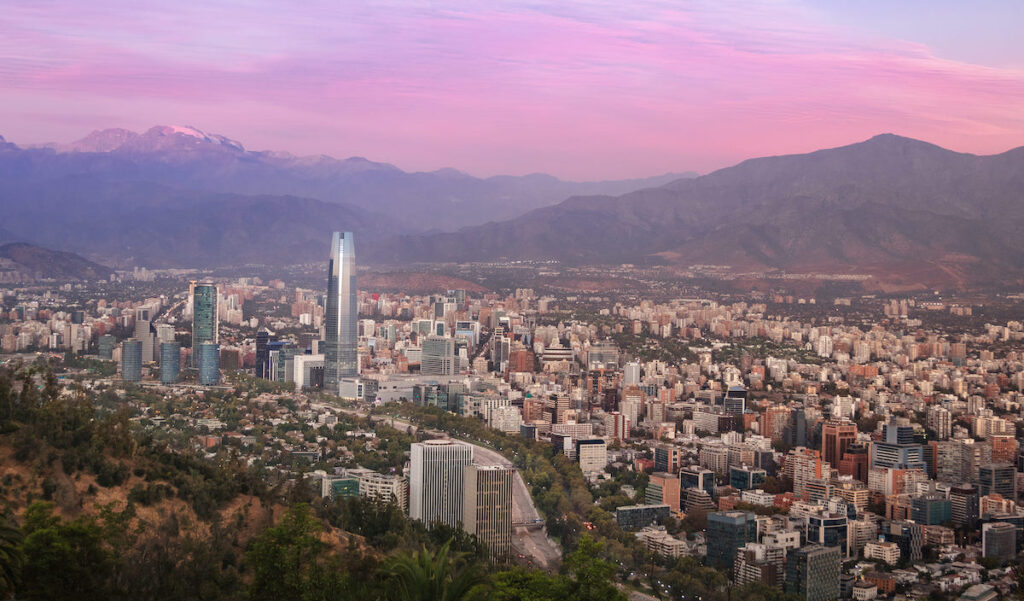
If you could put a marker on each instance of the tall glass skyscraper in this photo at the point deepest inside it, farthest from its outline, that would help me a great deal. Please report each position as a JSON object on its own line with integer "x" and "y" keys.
{"x": 204, "y": 317}
{"x": 170, "y": 362}
{"x": 209, "y": 364}
{"x": 341, "y": 359}
{"x": 131, "y": 360}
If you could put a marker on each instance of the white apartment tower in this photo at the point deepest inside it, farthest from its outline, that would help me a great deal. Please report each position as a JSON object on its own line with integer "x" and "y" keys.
{"x": 437, "y": 481}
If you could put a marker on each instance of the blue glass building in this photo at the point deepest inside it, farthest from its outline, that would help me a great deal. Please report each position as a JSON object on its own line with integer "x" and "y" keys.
{"x": 131, "y": 360}
{"x": 170, "y": 362}
{"x": 209, "y": 363}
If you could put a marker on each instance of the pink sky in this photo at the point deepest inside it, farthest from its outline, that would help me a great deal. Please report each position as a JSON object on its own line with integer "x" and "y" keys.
{"x": 593, "y": 90}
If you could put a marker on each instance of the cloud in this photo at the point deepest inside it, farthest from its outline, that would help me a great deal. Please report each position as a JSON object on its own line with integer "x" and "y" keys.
{"x": 584, "y": 90}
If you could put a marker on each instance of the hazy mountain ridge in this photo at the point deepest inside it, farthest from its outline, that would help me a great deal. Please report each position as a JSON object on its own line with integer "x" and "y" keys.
{"x": 185, "y": 157}
{"x": 38, "y": 262}
{"x": 886, "y": 203}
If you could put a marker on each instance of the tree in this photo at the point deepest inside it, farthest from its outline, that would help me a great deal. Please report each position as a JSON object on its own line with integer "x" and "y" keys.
{"x": 63, "y": 560}
{"x": 592, "y": 576}
{"x": 10, "y": 556}
{"x": 287, "y": 560}
{"x": 428, "y": 576}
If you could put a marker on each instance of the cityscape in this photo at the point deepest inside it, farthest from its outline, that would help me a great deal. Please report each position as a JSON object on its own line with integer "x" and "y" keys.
{"x": 763, "y": 350}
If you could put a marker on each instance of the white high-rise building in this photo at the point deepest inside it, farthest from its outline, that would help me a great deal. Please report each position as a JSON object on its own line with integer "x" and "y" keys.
{"x": 631, "y": 375}
{"x": 437, "y": 481}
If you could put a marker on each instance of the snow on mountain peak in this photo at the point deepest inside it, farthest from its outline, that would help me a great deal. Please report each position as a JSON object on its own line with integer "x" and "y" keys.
{"x": 195, "y": 132}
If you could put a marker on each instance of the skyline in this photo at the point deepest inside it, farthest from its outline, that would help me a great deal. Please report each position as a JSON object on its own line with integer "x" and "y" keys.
{"x": 583, "y": 92}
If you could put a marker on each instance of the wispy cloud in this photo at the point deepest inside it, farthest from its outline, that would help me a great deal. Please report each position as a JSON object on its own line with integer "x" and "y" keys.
{"x": 589, "y": 89}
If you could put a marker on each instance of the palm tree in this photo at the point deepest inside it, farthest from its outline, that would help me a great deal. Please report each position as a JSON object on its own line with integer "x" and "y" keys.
{"x": 10, "y": 555}
{"x": 429, "y": 576}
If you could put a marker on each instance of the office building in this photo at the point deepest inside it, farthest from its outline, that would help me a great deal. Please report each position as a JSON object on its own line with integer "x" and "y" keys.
{"x": 746, "y": 478}
{"x": 696, "y": 477}
{"x": 437, "y": 481}
{"x": 964, "y": 505}
{"x": 999, "y": 541}
{"x": 830, "y": 530}
{"x": 667, "y": 457}
{"x": 898, "y": 450}
{"x": 438, "y": 357}
{"x": 209, "y": 364}
{"x": 105, "y": 346}
{"x": 735, "y": 400}
{"x": 205, "y": 325}
{"x": 728, "y": 532}
{"x": 998, "y": 478}
{"x": 488, "y": 507}
{"x": 635, "y": 517}
{"x": 836, "y": 437}
{"x": 131, "y": 360}
{"x": 663, "y": 489}
{"x": 170, "y": 362}
{"x": 341, "y": 351}
{"x": 592, "y": 454}
{"x": 760, "y": 563}
{"x": 932, "y": 509}
{"x": 812, "y": 572}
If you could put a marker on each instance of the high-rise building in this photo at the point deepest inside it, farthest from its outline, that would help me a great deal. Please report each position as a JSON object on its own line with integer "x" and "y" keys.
{"x": 830, "y": 530}
{"x": 205, "y": 326}
{"x": 131, "y": 360}
{"x": 756, "y": 562}
{"x": 836, "y": 437}
{"x": 964, "y": 501}
{"x": 813, "y": 571}
{"x": 663, "y": 488}
{"x": 592, "y": 454}
{"x": 999, "y": 478}
{"x": 341, "y": 354}
{"x": 437, "y": 481}
{"x": 262, "y": 353}
{"x": 696, "y": 477}
{"x": 727, "y": 532}
{"x": 488, "y": 507}
{"x": 438, "y": 358}
{"x": 105, "y": 346}
{"x": 898, "y": 450}
{"x": 999, "y": 540}
{"x": 735, "y": 400}
{"x": 209, "y": 363}
{"x": 170, "y": 362}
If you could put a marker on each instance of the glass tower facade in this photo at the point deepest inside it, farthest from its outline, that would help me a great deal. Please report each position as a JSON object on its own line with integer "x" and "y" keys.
{"x": 209, "y": 363}
{"x": 131, "y": 360}
{"x": 170, "y": 362}
{"x": 340, "y": 338}
{"x": 204, "y": 316}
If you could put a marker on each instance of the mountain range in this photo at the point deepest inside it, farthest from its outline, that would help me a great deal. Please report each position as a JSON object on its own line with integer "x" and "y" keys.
{"x": 188, "y": 159}
{"x": 20, "y": 262}
{"x": 889, "y": 206}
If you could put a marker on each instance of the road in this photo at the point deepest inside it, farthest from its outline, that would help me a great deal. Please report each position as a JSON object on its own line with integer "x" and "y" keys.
{"x": 530, "y": 542}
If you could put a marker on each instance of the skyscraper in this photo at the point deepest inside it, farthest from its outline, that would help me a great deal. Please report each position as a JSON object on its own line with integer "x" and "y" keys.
{"x": 341, "y": 358}
{"x": 209, "y": 364}
{"x": 131, "y": 360}
{"x": 813, "y": 571}
{"x": 438, "y": 357}
{"x": 727, "y": 532}
{"x": 837, "y": 435}
{"x": 170, "y": 362}
{"x": 437, "y": 481}
{"x": 204, "y": 317}
{"x": 488, "y": 507}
